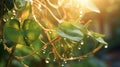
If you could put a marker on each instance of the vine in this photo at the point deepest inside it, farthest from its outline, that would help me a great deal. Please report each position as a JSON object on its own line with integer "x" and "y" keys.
{"x": 32, "y": 27}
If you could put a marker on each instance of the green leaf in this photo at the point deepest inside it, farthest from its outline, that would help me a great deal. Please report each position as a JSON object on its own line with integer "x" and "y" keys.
{"x": 70, "y": 31}
{"x": 97, "y": 34}
{"x": 31, "y": 30}
{"x": 98, "y": 37}
{"x": 37, "y": 44}
{"x": 81, "y": 27}
{"x": 22, "y": 50}
{"x": 12, "y": 31}
{"x": 14, "y": 23}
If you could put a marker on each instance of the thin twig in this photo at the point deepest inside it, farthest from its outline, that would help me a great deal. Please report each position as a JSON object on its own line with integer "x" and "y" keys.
{"x": 10, "y": 56}
{"x": 49, "y": 11}
{"x": 79, "y": 57}
{"x": 20, "y": 62}
{"x": 44, "y": 47}
{"x": 54, "y": 6}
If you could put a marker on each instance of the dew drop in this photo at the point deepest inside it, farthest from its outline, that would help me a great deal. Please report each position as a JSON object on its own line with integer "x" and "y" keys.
{"x": 60, "y": 2}
{"x": 46, "y": 61}
{"x": 14, "y": 12}
{"x": 64, "y": 38}
{"x": 80, "y": 15}
{"x": 4, "y": 20}
{"x": 60, "y": 21}
{"x": 39, "y": 6}
{"x": 12, "y": 17}
{"x": 82, "y": 43}
{"x": 44, "y": 52}
{"x": 79, "y": 48}
{"x": 71, "y": 58}
{"x": 65, "y": 62}
{"x": 106, "y": 46}
{"x": 62, "y": 65}
{"x": 50, "y": 32}
{"x": 81, "y": 12}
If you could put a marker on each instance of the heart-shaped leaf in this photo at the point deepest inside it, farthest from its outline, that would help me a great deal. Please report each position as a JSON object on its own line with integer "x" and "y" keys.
{"x": 31, "y": 30}
{"x": 29, "y": 33}
{"x": 12, "y": 31}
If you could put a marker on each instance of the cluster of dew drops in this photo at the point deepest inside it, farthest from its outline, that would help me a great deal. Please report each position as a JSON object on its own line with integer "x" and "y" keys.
{"x": 64, "y": 62}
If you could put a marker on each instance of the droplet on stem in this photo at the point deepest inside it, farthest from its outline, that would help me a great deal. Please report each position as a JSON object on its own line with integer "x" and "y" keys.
{"x": 54, "y": 60}
{"x": 71, "y": 58}
{"x": 79, "y": 48}
{"x": 46, "y": 61}
{"x": 50, "y": 32}
{"x": 44, "y": 51}
{"x": 106, "y": 46}
{"x": 65, "y": 62}
{"x": 14, "y": 12}
{"x": 62, "y": 65}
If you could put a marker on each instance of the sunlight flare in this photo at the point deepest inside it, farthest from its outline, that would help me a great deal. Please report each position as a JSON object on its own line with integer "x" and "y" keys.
{"x": 89, "y": 5}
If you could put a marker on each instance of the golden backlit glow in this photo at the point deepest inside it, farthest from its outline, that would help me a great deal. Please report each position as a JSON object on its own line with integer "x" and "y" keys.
{"x": 89, "y": 5}
{"x": 39, "y": 8}
{"x": 49, "y": 15}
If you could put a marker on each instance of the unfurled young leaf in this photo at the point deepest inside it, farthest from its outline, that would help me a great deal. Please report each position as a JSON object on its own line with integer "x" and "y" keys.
{"x": 98, "y": 37}
{"x": 70, "y": 31}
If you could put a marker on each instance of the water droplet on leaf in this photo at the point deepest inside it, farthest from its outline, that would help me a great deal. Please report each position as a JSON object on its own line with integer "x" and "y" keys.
{"x": 82, "y": 43}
